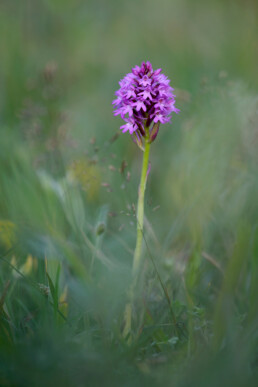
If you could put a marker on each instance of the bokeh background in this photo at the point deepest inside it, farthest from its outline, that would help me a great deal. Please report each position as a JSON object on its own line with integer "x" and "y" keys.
{"x": 68, "y": 191}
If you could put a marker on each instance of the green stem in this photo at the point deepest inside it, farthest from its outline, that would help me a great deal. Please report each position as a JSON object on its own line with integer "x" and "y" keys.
{"x": 139, "y": 238}
{"x": 140, "y": 210}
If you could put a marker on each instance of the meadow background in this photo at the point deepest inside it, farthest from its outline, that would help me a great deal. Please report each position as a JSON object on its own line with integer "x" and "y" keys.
{"x": 68, "y": 190}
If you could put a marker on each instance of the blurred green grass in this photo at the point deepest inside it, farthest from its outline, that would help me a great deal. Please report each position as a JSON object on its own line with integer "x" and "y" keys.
{"x": 68, "y": 187}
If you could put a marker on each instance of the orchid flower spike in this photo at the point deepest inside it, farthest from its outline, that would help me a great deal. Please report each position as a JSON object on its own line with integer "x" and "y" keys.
{"x": 144, "y": 101}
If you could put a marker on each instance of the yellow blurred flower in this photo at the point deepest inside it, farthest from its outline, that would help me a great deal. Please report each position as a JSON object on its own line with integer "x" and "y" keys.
{"x": 63, "y": 304}
{"x": 26, "y": 268}
{"x": 7, "y": 233}
{"x": 87, "y": 174}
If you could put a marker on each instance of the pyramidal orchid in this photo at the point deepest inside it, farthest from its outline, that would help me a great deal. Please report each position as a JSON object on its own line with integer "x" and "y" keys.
{"x": 144, "y": 101}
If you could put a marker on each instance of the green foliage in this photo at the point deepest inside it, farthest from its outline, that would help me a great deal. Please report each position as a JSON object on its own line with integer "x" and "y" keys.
{"x": 68, "y": 188}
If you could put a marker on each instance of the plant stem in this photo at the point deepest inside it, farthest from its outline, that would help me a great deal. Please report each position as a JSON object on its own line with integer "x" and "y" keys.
{"x": 139, "y": 238}
{"x": 140, "y": 210}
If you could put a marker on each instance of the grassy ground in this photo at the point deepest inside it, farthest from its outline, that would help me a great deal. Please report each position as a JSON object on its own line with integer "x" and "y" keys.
{"x": 68, "y": 190}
